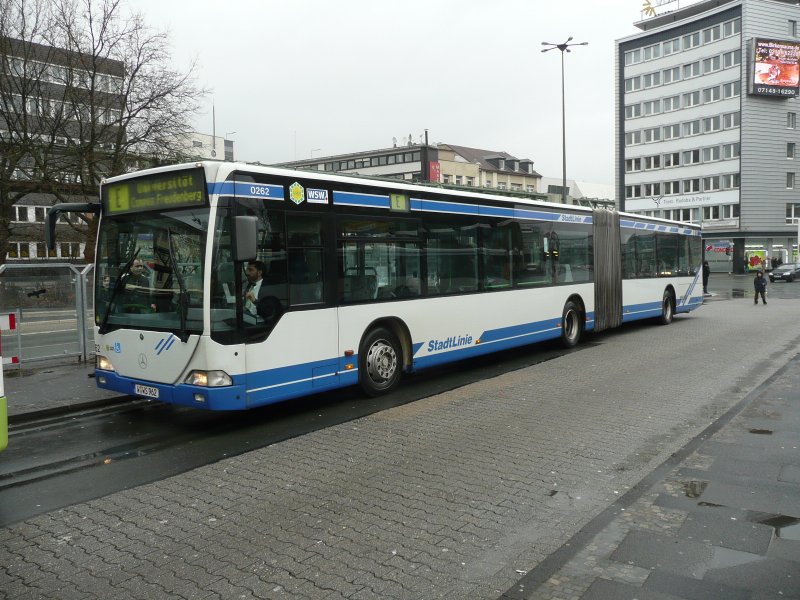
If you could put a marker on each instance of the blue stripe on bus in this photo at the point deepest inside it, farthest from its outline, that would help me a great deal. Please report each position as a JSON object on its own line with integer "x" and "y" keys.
{"x": 242, "y": 189}
{"x": 630, "y": 224}
{"x": 353, "y": 199}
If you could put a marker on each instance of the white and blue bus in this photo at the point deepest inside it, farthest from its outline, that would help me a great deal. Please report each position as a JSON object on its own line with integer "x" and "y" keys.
{"x": 359, "y": 280}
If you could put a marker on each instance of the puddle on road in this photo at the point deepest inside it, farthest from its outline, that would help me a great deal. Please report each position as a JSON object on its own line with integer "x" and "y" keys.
{"x": 787, "y": 528}
{"x": 694, "y": 489}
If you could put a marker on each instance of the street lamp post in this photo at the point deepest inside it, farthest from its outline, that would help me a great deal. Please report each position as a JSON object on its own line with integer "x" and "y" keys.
{"x": 564, "y": 47}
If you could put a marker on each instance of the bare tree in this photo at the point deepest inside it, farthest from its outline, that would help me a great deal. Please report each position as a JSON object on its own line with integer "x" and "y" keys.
{"x": 88, "y": 92}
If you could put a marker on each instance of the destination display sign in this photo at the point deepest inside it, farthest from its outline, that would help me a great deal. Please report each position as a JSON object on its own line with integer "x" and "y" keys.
{"x": 176, "y": 189}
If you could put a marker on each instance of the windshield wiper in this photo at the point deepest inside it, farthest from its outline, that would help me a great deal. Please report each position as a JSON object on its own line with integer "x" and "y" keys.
{"x": 118, "y": 285}
{"x": 183, "y": 296}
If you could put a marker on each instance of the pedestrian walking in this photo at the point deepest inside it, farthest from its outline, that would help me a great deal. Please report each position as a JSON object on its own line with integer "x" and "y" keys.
{"x": 706, "y": 275}
{"x": 760, "y": 285}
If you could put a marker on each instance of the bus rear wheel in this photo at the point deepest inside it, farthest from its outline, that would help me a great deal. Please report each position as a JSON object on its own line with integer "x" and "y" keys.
{"x": 379, "y": 362}
{"x": 571, "y": 324}
{"x": 667, "y": 308}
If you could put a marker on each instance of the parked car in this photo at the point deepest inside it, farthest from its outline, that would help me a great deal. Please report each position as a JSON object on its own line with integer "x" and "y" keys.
{"x": 788, "y": 272}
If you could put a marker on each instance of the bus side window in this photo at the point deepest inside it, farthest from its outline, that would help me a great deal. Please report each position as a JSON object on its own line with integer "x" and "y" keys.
{"x": 305, "y": 262}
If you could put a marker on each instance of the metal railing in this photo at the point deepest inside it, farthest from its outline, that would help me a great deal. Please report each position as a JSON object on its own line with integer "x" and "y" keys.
{"x": 53, "y": 304}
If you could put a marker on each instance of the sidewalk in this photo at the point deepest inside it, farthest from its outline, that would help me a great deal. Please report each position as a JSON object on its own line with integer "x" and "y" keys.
{"x": 720, "y": 520}
{"x": 51, "y": 387}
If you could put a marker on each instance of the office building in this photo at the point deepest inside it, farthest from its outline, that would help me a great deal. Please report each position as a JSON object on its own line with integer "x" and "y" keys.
{"x": 706, "y": 123}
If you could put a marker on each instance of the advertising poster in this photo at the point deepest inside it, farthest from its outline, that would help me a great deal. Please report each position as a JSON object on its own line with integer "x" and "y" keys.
{"x": 776, "y": 68}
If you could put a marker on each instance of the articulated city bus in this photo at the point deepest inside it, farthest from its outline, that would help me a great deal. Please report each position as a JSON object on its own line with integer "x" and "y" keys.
{"x": 229, "y": 286}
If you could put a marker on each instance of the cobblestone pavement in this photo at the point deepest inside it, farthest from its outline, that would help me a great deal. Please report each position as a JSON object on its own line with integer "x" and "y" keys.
{"x": 724, "y": 522}
{"x": 455, "y": 496}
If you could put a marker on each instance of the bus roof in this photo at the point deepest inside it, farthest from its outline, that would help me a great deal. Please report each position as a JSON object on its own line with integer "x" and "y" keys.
{"x": 219, "y": 170}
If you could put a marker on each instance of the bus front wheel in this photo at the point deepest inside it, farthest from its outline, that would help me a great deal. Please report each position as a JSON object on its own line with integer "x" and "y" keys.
{"x": 379, "y": 365}
{"x": 571, "y": 324}
{"x": 667, "y": 308}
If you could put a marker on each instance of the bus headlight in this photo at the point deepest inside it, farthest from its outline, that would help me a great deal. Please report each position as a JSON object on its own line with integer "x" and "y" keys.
{"x": 101, "y": 362}
{"x": 209, "y": 378}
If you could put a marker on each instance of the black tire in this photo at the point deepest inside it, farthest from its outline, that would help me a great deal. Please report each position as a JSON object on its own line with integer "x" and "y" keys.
{"x": 667, "y": 308}
{"x": 790, "y": 278}
{"x": 572, "y": 322}
{"x": 380, "y": 362}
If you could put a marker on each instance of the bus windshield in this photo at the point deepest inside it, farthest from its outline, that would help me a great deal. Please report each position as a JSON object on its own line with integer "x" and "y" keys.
{"x": 150, "y": 270}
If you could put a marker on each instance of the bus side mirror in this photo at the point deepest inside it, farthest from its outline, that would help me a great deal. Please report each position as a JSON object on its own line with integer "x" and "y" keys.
{"x": 54, "y": 212}
{"x": 244, "y": 237}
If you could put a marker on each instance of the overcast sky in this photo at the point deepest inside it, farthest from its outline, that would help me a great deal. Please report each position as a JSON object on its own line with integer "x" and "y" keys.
{"x": 293, "y": 77}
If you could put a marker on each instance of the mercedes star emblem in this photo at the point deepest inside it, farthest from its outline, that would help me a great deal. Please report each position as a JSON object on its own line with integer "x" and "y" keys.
{"x": 142, "y": 361}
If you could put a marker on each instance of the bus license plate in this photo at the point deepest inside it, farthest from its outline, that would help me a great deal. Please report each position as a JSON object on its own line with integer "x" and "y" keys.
{"x": 145, "y": 390}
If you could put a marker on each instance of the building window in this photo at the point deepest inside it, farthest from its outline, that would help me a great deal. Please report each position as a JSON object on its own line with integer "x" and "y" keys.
{"x": 792, "y": 28}
{"x": 730, "y": 181}
{"x": 710, "y": 65}
{"x": 633, "y": 56}
{"x": 672, "y": 187}
{"x": 633, "y": 191}
{"x": 672, "y": 103}
{"x": 672, "y": 46}
{"x": 790, "y": 150}
{"x": 459, "y": 180}
{"x": 732, "y": 120}
{"x": 652, "y": 135}
{"x": 691, "y": 70}
{"x": 470, "y": 181}
{"x": 691, "y": 128}
{"x": 691, "y": 186}
{"x": 633, "y": 110}
{"x": 652, "y": 107}
{"x": 731, "y": 59}
{"x": 633, "y": 138}
{"x": 711, "y": 154}
{"x": 671, "y": 75}
{"x": 673, "y": 159}
{"x": 732, "y": 89}
{"x": 652, "y": 162}
{"x": 652, "y": 189}
{"x": 712, "y": 94}
{"x": 691, "y": 157}
{"x": 732, "y": 27}
{"x": 791, "y": 120}
{"x": 711, "y": 184}
{"x": 196, "y": 144}
{"x": 632, "y": 165}
{"x": 730, "y": 151}
{"x": 692, "y": 40}
{"x": 632, "y": 84}
{"x": 652, "y": 79}
{"x": 790, "y": 181}
{"x": 501, "y": 185}
{"x": 792, "y": 214}
{"x": 446, "y": 179}
{"x": 672, "y": 132}
{"x": 691, "y": 99}
{"x": 711, "y": 213}
{"x": 651, "y": 52}
{"x": 712, "y": 34}
{"x": 712, "y": 124}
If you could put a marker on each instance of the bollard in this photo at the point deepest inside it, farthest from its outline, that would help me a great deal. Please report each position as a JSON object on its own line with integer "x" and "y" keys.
{"x": 7, "y": 322}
